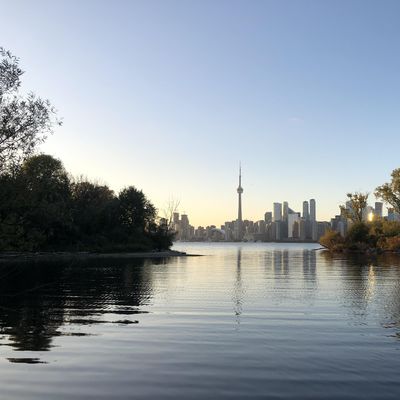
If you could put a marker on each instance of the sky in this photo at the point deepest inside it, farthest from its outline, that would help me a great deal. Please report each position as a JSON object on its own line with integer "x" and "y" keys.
{"x": 169, "y": 96}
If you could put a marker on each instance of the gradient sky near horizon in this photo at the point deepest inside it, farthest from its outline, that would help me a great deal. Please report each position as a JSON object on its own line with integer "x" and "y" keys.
{"x": 170, "y": 95}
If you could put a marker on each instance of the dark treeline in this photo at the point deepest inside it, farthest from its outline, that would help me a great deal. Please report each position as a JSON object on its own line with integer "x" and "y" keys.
{"x": 43, "y": 209}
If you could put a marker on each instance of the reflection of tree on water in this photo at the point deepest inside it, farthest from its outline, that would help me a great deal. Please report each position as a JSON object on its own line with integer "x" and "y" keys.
{"x": 37, "y": 298}
{"x": 369, "y": 282}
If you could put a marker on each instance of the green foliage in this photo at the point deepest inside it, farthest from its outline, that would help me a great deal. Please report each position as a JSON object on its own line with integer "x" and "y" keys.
{"x": 37, "y": 210}
{"x": 358, "y": 233}
{"x": 332, "y": 240}
{"x": 42, "y": 210}
{"x": 24, "y": 120}
{"x": 135, "y": 211}
{"x": 161, "y": 235}
{"x": 390, "y": 243}
{"x": 358, "y": 201}
{"x": 377, "y": 236}
{"x": 94, "y": 211}
{"x": 390, "y": 192}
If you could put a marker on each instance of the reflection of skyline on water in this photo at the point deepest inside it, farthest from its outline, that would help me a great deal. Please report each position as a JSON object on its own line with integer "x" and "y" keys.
{"x": 238, "y": 289}
{"x": 38, "y": 301}
{"x": 238, "y": 320}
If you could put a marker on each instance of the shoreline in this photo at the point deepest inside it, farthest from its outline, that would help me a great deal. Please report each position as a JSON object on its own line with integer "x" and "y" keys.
{"x": 59, "y": 255}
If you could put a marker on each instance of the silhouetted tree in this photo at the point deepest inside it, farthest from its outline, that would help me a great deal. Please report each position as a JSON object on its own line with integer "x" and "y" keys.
{"x": 47, "y": 202}
{"x": 95, "y": 212}
{"x": 24, "y": 120}
{"x": 161, "y": 235}
{"x": 42, "y": 210}
{"x": 136, "y": 211}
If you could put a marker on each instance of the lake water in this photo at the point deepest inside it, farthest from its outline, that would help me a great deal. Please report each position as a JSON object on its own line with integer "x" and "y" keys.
{"x": 275, "y": 321}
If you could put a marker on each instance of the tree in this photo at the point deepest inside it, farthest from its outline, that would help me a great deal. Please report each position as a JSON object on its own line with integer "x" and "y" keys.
{"x": 169, "y": 211}
{"x": 161, "y": 235}
{"x": 24, "y": 120}
{"x": 135, "y": 210}
{"x": 358, "y": 201}
{"x": 95, "y": 211}
{"x": 45, "y": 203}
{"x": 390, "y": 192}
{"x": 358, "y": 233}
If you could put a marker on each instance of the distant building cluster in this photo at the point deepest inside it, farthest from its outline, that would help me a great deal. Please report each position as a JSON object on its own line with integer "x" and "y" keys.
{"x": 280, "y": 224}
{"x": 180, "y": 224}
{"x": 283, "y": 224}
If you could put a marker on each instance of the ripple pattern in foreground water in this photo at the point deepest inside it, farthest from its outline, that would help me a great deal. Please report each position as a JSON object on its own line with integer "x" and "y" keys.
{"x": 275, "y": 321}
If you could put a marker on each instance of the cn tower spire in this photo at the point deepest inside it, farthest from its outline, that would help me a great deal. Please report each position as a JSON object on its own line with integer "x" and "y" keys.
{"x": 240, "y": 220}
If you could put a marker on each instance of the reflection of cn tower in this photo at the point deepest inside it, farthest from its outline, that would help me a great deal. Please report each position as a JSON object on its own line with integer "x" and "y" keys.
{"x": 238, "y": 290}
{"x": 240, "y": 219}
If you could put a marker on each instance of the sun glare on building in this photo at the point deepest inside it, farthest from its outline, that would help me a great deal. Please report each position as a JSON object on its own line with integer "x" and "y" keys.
{"x": 371, "y": 216}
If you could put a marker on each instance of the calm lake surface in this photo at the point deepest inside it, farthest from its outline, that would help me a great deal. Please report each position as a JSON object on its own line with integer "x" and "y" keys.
{"x": 244, "y": 321}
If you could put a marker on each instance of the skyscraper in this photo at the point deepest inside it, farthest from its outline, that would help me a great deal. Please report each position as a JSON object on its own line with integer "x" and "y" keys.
{"x": 268, "y": 217}
{"x": 240, "y": 219}
{"x": 306, "y": 214}
{"x": 292, "y": 219}
{"x": 378, "y": 209}
{"x": 277, "y": 212}
{"x": 313, "y": 214}
{"x": 285, "y": 211}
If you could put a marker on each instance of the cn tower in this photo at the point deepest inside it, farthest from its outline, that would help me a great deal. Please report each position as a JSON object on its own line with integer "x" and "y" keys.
{"x": 239, "y": 219}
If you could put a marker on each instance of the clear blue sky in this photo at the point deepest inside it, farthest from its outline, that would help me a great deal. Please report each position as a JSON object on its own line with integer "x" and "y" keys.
{"x": 170, "y": 95}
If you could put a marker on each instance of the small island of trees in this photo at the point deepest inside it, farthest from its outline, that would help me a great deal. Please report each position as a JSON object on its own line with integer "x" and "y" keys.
{"x": 376, "y": 235}
{"x": 43, "y": 208}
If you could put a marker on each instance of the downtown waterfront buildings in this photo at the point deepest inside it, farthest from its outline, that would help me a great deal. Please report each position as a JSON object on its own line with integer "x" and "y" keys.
{"x": 282, "y": 224}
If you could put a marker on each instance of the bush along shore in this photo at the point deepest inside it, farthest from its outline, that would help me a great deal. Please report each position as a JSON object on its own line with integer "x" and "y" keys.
{"x": 370, "y": 234}
{"x": 365, "y": 237}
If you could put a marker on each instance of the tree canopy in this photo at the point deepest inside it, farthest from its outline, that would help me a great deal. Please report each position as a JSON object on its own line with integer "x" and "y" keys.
{"x": 357, "y": 202}
{"x": 42, "y": 209}
{"x": 390, "y": 192}
{"x": 25, "y": 120}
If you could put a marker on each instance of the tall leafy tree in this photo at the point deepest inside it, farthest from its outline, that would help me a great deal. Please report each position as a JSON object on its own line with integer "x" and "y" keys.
{"x": 390, "y": 192}
{"x": 95, "y": 210}
{"x": 25, "y": 120}
{"x": 46, "y": 212}
{"x": 136, "y": 211}
{"x": 358, "y": 202}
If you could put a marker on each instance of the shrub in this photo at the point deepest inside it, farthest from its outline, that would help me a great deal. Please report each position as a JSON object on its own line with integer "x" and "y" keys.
{"x": 332, "y": 240}
{"x": 358, "y": 233}
{"x": 390, "y": 243}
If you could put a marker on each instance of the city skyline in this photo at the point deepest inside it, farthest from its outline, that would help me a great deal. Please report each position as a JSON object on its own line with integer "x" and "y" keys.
{"x": 307, "y": 207}
{"x": 280, "y": 224}
{"x": 167, "y": 96}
